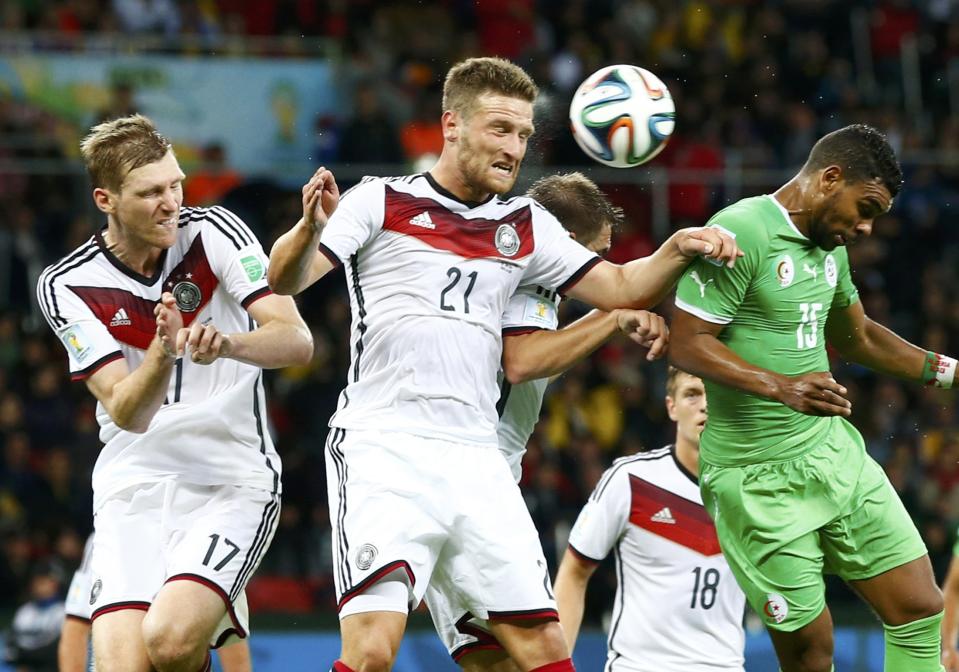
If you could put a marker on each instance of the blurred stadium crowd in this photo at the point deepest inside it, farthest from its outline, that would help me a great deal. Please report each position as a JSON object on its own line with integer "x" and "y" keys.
{"x": 764, "y": 79}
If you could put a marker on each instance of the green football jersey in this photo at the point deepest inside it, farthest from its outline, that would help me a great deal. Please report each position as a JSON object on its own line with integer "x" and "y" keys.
{"x": 774, "y": 303}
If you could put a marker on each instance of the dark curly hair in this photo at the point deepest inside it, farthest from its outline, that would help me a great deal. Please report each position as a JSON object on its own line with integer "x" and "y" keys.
{"x": 862, "y": 152}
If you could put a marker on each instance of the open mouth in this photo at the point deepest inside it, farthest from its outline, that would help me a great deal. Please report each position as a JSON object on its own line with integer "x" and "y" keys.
{"x": 170, "y": 221}
{"x": 504, "y": 169}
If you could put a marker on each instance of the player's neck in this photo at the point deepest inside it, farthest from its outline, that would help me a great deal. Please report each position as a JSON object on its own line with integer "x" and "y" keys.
{"x": 687, "y": 455}
{"x": 448, "y": 176}
{"x": 130, "y": 252}
{"x": 793, "y": 197}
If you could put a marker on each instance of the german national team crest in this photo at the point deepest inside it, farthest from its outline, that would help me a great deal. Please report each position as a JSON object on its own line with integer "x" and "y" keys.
{"x": 95, "y": 591}
{"x": 187, "y": 295}
{"x": 506, "y": 240}
{"x": 365, "y": 555}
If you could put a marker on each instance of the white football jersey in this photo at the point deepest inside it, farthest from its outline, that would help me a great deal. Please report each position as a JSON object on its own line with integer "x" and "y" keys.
{"x": 677, "y": 607}
{"x": 211, "y": 429}
{"x": 429, "y": 279}
{"x": 529, "y": 309}
{"x": 77, "y": 602}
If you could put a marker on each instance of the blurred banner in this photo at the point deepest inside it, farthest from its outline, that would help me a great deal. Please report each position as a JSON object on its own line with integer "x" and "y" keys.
{"x": 262, "y": 111}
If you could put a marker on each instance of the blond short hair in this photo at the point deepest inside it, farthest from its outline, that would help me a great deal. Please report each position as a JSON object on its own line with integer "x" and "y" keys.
{"x": 114, "y": 148}
{"x": 469, "y": 79}
{"x": 579, "y": 205}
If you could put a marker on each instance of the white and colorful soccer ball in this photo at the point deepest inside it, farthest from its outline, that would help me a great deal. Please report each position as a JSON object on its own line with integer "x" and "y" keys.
{"x": 622, "y": 115}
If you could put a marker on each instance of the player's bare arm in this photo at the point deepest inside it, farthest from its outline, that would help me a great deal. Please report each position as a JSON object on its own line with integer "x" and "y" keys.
{"x": 73, "y": 645}
{"x": 643, "y": 283}
{"x": 133, "y": 398}
{"x": 950, "y": 619}
{"x": 696, "y": 348}
{"x": 295, "y": 260}
{"x": 861, "y": 340}
{"x": 282, "y": 338}
{"x": 570, "y": 588}
{"x": 544, "y": 353}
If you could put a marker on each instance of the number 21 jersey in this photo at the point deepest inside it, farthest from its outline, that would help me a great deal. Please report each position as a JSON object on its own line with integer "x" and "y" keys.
{"x": 429, "y": 278}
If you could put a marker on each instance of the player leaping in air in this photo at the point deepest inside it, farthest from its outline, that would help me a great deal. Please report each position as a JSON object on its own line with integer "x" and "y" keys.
{"x": 785, "y": 476}
{"x": 418, "y": 491}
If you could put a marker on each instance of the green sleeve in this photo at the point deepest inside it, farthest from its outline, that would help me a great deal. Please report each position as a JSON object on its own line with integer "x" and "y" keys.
{"x": 714, "y": 293}
{"x": 846, "y": 292}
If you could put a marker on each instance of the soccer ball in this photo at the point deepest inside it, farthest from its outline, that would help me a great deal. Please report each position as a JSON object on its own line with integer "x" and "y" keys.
{"x": 622, "y": 115}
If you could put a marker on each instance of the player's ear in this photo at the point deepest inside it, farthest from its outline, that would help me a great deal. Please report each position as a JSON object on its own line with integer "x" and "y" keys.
{"x": 671, "y": 408}
{"x": 450, "y": 123}
{"x": 830, "y": 179}
{"x": 104, "y": 200}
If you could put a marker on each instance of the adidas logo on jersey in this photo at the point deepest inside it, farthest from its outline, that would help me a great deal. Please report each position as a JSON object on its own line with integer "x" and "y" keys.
{"x": 664, "y": 515}
{"x": 121, "y": 319}
{"x": 423, "y": 219}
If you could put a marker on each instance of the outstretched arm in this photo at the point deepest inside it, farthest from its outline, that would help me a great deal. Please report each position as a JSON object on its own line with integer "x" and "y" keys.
{"x": 295, "y": 260}
{"x": 643, "y": 283}
{"x": 544, "y": 353}
{"x": 861, "y": 340}
{"x": 696, "y": 349}
{"x": 571, "y": 579}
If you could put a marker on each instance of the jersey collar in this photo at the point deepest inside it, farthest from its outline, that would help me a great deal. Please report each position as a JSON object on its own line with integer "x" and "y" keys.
{"x": 679, "y": 465}
{"x": 785, "y": 214}
{"x": 149, "y": 281}
{"x": 442, "y": 191}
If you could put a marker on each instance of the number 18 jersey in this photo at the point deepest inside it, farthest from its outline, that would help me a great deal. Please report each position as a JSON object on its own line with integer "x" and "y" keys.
{"x": 774, "y": 304}
{"x": 677, "y": 606}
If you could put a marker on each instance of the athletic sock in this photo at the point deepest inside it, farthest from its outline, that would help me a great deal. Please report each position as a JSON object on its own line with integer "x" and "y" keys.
{"x": 558, "y": 666}
{"x": 914, "y": 646}
{"x": 340, "y": 667}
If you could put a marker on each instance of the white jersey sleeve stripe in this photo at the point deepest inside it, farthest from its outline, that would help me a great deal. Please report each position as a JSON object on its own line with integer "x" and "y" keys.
{"x": 224, "y": 227}
{"x": 578, "y": 275}
{"x": 235, "y": 223}
{"x": 46, "y": 297}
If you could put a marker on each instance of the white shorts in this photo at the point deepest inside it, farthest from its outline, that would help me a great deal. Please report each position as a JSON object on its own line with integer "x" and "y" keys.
{"x": 151, "y": 534}
{"x": 429, "y": 511}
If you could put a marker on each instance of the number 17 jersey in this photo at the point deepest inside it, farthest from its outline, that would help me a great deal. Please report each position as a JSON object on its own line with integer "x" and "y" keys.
{"x": 774, "y": 304}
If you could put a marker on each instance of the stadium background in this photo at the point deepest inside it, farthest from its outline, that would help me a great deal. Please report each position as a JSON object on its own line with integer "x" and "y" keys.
{"x": 256, "y": 94}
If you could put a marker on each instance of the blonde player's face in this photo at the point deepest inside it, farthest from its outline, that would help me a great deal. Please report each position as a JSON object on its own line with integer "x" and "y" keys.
{"x": 688, "y": 407}
{"x": 493, "y": 143}
{"x": 147, "y": 208}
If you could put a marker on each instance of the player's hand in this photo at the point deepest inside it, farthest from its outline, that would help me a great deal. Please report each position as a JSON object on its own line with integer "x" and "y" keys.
{"x": 320, "y": 198}
{"x": 646, "y": 328}
{"x": 710, "y": 242}
{"x": 204, "y": 342}
{"x": 169, "y": 323}
{"x": 815, "y": 394}
{"x": 950, "y": 659}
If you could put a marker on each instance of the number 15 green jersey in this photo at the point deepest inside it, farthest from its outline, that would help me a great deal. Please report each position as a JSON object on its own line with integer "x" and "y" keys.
{"x": 774, "y": 304}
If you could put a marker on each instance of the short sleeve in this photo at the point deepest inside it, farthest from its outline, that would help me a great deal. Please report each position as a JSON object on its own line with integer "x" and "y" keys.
{"x": 529, "y": 309}
{"x": 357, "y": 219}
{"x": 846, "y": 292}
{"x": 88, "y": 343}
{"x": 604, "y": 518}
{"x": 236, "y": 256}
{"x": 714, "y": 293}
{"x": 558, "y": 260}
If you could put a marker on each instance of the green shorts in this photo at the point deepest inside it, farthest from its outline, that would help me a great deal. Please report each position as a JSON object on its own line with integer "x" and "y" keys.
{"x": 781, "y": 525}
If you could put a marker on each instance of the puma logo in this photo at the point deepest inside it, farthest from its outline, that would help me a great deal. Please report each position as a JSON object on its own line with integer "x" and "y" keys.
{"x": 811, "y": 270}
{"x": 699, "y": 281}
